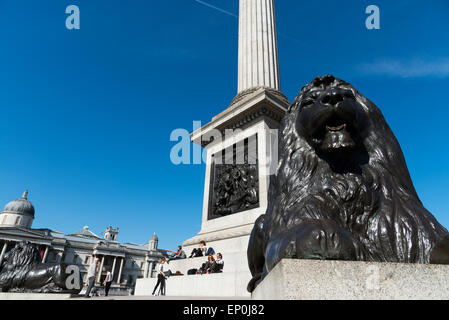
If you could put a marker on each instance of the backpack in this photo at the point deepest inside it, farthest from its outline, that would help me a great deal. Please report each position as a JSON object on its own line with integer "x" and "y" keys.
{"x": 192, "y": 271}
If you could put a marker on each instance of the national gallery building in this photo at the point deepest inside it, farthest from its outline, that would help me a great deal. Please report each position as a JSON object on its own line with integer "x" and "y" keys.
{"x": 127, "y": 262}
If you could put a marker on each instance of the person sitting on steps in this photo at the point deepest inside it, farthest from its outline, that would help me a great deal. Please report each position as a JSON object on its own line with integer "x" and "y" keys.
{"x": 202, "y": 250}
{"x": 217, "y": 265}
{"x": 207, "y": 265}
{"x": 180, "y": 254}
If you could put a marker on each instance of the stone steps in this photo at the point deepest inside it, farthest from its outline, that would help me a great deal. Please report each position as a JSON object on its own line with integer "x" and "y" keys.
{"x": 226, "y": 284}
{"x": 233, "y": 262}
{"x": 231, "y": 282}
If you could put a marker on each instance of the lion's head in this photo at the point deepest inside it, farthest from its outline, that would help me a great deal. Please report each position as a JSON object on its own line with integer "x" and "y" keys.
{"x": 22, "y": 255}
{"x": 342, "y": 127}
{"x": 330, "y": 118}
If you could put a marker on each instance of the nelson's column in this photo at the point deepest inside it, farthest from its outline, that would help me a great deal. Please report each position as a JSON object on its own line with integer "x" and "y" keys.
{"x": 239, "y": 164}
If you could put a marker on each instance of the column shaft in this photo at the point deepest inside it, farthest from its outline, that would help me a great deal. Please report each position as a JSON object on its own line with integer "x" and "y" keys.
{"x": 120, "y": 271}
{"x": 145, "y": 272}
{"x": 44, "y": 259}
{"x": 113, "y": 268}
{"x": 258, "y": 64}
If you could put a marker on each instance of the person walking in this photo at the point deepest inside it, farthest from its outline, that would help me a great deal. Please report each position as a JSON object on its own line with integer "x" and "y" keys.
{"x": 107, "y": 282}
{"x": 91, "y": 273}
{"x": 160, "y": 278}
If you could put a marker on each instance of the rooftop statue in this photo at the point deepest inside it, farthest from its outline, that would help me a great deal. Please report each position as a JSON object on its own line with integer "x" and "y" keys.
{"x": 23, "y": 271}
{"x": 342, "y": 190}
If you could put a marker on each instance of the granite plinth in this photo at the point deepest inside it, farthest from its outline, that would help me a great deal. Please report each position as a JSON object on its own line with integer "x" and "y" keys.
{"x": 34, "y": 296}
{"x": 348, "y": 280}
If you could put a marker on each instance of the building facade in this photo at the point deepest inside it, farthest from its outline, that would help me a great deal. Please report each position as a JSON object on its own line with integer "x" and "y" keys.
{"x": 127, "y": 261}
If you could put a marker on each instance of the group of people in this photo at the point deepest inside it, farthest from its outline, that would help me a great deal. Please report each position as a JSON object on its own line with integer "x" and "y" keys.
{"x": 91, "y": 276}
{"x": 212, "y": 265}
{"x": 161, "y": 274}
{"x": 201, "y": 251}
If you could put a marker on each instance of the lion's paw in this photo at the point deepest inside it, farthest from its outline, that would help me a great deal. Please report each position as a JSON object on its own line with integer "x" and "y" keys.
{"x": 313, "y": 239}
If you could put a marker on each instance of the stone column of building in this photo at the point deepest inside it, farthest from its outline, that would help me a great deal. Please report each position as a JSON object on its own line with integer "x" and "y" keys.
{"x": 120, "y": 271}
{"x": 101, "y": 269}
{"x": 44, "y": 259}
{"x": 151, "y": 270}
{"x": 5, "y": 246}
{"x": 145, "y": 273}
{"x": 113, "y": 268}
{"x": 258, "y": 62}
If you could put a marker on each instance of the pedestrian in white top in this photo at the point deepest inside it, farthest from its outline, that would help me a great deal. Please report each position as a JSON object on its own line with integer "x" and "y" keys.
{"x": 160, "y": 277}
{"x": 107, "y": 282}
{"x": 91, "y": 273}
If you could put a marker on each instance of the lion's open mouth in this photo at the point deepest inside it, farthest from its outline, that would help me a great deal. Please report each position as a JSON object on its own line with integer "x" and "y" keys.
{"x": 337, "y": 128}
{"x": 336, "y": 134}
{"x": 335, "y": 123}
{"x": 331, "y": 127}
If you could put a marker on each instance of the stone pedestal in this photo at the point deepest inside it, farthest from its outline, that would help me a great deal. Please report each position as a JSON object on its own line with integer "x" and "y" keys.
{"x": 255, "y": 113}
{"x": 236, "y": 191}
{"x": 347, "y": 280}
{"x": 34, "y": 296}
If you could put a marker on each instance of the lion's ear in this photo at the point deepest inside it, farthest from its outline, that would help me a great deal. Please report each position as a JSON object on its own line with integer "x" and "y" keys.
{"x": 440, "y": 253}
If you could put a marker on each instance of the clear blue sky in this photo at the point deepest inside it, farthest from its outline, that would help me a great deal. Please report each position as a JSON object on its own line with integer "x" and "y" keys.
{"x": 86, "y": 115}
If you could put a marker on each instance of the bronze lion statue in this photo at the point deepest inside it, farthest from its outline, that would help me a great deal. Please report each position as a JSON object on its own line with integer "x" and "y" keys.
{"x": 23, "y": 271}
{"x": 342, "y": 190}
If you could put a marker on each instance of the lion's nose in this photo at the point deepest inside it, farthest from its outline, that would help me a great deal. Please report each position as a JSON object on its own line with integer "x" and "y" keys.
{"x": 332, "y": 97}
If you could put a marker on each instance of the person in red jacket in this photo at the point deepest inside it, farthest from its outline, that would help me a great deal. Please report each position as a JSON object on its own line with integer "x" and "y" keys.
{"x": 180, "y": 254}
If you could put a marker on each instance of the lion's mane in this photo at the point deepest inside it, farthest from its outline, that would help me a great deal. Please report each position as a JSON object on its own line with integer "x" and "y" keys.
{"x": 17, "y": 263}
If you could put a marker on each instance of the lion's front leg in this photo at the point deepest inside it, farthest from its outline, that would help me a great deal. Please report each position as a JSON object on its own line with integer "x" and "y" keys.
{"x": 319, "y": 239}
{"x": 256, "y": 259}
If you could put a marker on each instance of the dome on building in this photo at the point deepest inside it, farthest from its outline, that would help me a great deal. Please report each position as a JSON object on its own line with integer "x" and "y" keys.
{"x": 20, "y": 206}
{"x": 154, "y": 237}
